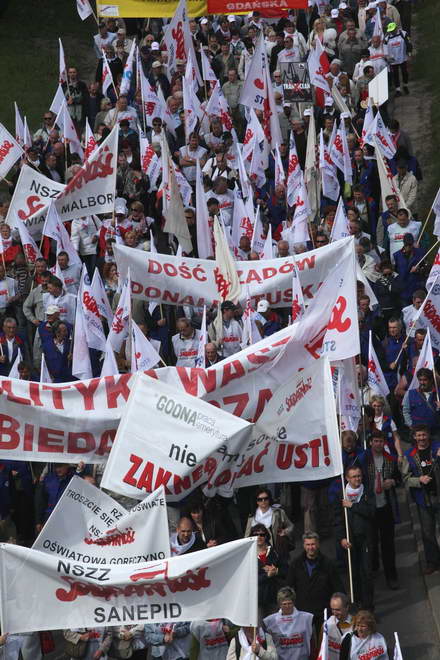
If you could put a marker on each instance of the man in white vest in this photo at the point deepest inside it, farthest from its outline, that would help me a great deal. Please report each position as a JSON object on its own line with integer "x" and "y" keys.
{"x": 340, "y": 623}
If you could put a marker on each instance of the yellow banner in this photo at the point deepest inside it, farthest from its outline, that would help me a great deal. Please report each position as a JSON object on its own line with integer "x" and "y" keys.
{"x": 149, "y": 8}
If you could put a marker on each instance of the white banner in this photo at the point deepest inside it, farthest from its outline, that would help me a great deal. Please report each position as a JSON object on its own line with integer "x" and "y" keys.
{"x": 32, "y": 195}
{"x": 181, "y": 281}
{"x": 10, "y": 151}
{"x": 89, "y": 526}
{"x": 175, "y": 448}
{"x": 188, "y": 443}
{"x": 40, "y": 592}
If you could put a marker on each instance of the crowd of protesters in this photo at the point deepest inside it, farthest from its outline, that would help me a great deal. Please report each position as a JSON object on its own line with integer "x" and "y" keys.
{"x": 37, "y": 312}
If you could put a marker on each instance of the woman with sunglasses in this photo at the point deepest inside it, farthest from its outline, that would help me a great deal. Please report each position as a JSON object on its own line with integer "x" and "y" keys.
{"x": 274, "y": 518}
{"x": 271, "y": 569}
{"x": 364, "y": 641}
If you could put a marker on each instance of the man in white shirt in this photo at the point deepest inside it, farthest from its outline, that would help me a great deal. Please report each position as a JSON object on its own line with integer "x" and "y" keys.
{"x": 232, "y": 330}
{"x": 8, "y": 290}
{"x": 122, "y": 111}
{"x": 225, "y": 198}
{"x": 189, "y": 154}
{"x": 66, "y": 302}
{"x": 410, "y": 312}
{"x": 294, "y": 49}
{"x": 397, "y": 231}
{"x": 186, "y": 343}
{"x": 70, "y": 272}
{"x": 103, "y": 38}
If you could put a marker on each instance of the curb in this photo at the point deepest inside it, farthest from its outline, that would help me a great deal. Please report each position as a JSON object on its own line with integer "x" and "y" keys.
{"x": 432, "y": 582}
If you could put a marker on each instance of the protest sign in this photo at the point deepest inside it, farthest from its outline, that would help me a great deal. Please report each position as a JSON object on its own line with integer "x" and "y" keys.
{"x": 89, "y": 526}
{"x": 41, "y": 592}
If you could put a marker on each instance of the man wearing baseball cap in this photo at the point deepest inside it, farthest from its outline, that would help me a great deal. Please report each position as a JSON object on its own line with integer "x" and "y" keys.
{"x": 226, "y": 334}
{"x": 399, "y": 48}
{"x": 266, "y": 320}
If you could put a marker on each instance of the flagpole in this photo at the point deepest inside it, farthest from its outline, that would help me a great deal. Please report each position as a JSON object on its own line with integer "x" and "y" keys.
{"x": 95, "y": 15}
{"x": 430, "y": 250}
{"x": 424, "y": 224}
{"x": 347, "y": 531}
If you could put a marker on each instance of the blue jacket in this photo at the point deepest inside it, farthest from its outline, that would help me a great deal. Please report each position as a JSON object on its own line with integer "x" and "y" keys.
{"x": 19, "y": 343}
{"x": 56, "y": 362}
{"x": 391, "y": 348}
{"x": 49, "y": 493}
{"x": 424, "y": 411}
{"x": 411, "y": 281}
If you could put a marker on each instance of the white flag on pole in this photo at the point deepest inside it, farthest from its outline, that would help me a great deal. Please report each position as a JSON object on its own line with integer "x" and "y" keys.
{"x": 10, "y": 151}
{"x": 45, "y": 376}
{"x": 203, "y": 340}
{"x": 127, "y": 74}
{"x": 14, "y": 373}
{"x": 143, "y": 355}
{"x": 205, "y": 246}
{"x": 376, "y": 379}
{"x": 109, "y": 364}
{"x": 62, "y": 78}
{"x": 81, "y": 365}
{"x": 119, "y": 327}
{"x": 341, "y": 228}
{"x": 84, "y": 9}
{"x": 91, "y": 313}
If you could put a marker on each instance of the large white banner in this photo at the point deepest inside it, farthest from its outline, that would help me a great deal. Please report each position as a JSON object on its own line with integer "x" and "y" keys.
{"x": 32, "y": 196}
{"x": 89, "y": 526}
{"x": 40, "y": 592}
{"x": 176, "y": 445}
{"x": 188, "y": 443}
{"x": 182, "y": 281}
{"x": 78, "y": 421}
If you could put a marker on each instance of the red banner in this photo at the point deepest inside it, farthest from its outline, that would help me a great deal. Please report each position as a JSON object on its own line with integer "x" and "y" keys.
{"x": 267, "y": 8}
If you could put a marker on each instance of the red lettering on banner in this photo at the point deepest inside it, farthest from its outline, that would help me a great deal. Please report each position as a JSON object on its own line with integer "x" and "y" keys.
{"x": 115, "y": 388}
{"x": 136, "y": 462}
{"x": 33, "y": 205}
{"x": 5, "y": 148}
{"x": 307, "y": 262}
{"x": 241, "y": 400}
{"x": 229, "y": 374}
{"x": 372, "y": 653}
{"x": 114, "y": 538}
{"x": 192, "y": 580}
{"x": 50, "y": 440}
{"x": 208, "y": 379}
{"x": 73, "y": 445}
{"x": 57, "y": 395}
{"x": 298, "y": 455}
{"x": 8, "y": 429}
{"x": 300, "y": 392}
{"x": 106, "y": 442}
{"x": 336, "y": 320}
{"x": 432, "y": 315}
{"x": 90, "y": 303}
{"x": 99, "y": 168}
{"x": 179, "y": 39}
{"x": 87, "y": 392}
{"x": 6, "y": 386}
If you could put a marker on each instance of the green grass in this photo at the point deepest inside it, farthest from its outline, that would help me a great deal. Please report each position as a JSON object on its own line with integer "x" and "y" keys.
{"x": 427, "y": 69}
{"x": 29, "y": 63}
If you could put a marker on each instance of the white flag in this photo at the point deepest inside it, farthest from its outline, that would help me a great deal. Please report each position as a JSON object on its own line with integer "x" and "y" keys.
{"x": 62, "y": 78}
{"x": 90, "y": 144}
{"x": 204, "y": 235}
{"x": 368, "y": 120}
{"x": 376, "y": 379}
{"x": 72, "y": 594}
{"x": 379, "y": 135}
{"x": 340, "y": 154}
{"x": 226, "y": 276}
{"x": 397, "y": 650}
{"x": 330, "y": 183}
{"x": 14, "y": 373}
{"x": 298, "y": 307}
{"x": 436, "y": 210}
{"x": 387, "y": 184}
{"x": 57, "y": 101}
{"x": 109, "y": 364}
{"x": 318, "y": 65}
{"x": 45, "y": 376}
{"x": 341, "y": 228}
{"x": 27, "y": 139}
{"x": 294, "y": 173}
{"x": 425, "y": 360}
{"x": 208, "y": 73}
{"x": 242, "y": 224}
{"x": 91, "y": 313}
{"x": 84, "y": 9}
{"x": 430, "y": 312}
{"x": 280, "y": 177}
{"x": 435, "y": 270}
{"x": 100, "y": 295}
{"x": 54, "y": 228}
{"x": 143, "y": 355}
{"x": 119, "y": 328}
{"x": 203, "y": 340}
{"x": 127, "y": 74}
{"x": 19, "y": 126}
{"x": 323, "y": 651}
{"x": 106, "y": 75}
{"x": 10, "y": 151}
{"x": 268, "y": 246}
{"x": 81, "y": 365}
{"x": 30, "y": 248}
{"x": 151, "y": 164}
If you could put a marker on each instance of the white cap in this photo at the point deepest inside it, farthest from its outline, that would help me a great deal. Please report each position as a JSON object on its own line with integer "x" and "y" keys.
{"x": 156, "y": 65}
{"x": 203, "y": 21}
{"x": 262, "y": 306}
{"x": 52, "y": 309}
{"x": 307, "y": 112}
{"x": 328, "y": 101}
{"x": 342, "y": 5}
{"x": 231, "y": 18}
{"x": 371, "y": 5}
{"x": 155, "y": 45}
{"x": 345, "y": 115}
{"x": 334, "y": 13}
{"x": 368, "y": 63}
{"x": 336, "y": 61}
{"x": 120, "y": 206}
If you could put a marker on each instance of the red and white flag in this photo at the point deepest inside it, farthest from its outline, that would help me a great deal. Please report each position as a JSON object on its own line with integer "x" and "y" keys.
{"x": 57, "y": 101}
{"x": 84, "y": 9}
{"x": 250, "y": 331}
{"x": 376, "y": 379}
{"x": 27, "y": 139}
{"x": 268, "y": 245}
{"x": 14, "y": 373}
{"x": 319, "y": 67}
{"x": 90, "y": 144}
{"x": 341, "y": 228}
{"x": 143, "y": 355}
{"x": 258, "y": 237}
{"x": 106, "y": 75}
{"x": 429, "y": 312}
{"x": 435, "y": 270}
{"x": 208, "y": 73}
{"x": 425, "y": 360}
{"x": 91, "y": 313}
{"x": 218, "y": 106}
{"x": 300, "y": 225}
{"x": 127, "y": 74}
{"x": 340, "y": 154}
{"x": 245, "y": 184}
{"x": 294, "y": 173}
{"x": 205, "y": 247}
{"x": 119, "y": 327}
{"x": 10, "y": 151}
{"x": 436, "y": 210}
{"x": 253, "y": 92}
{"x": 100, "y": 295}
{"x": 62, "y": 78}
{"x": 242, "y": 224}
{"x": 254, "y": 131}
{"x": 191, "y": 103}
{"x": 379, "y": 134}
{"x": 151, "y": 164}
{"x": 30, "y": 248}
{"x": 203, "y": 340}
{"x": 256, "y": 170}
{"x": 68, "y": 130}
{"x": 178, "y": 40}
{"x": 323, "y": 651}
{"x": 45, "y": 376}
{"x": 151, "y": 102}
{"x": 387, "y": 184}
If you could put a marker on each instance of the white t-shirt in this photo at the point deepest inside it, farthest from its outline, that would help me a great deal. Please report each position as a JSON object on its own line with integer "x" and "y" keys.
{"x": 335, "y": 636}
{"x": 397, "y": 48}
{"x": 396, "y": 234}
{"x": 226, "y": 205}
{"x": 186, "y": 350}
{"x": 232, "y": 338}
{"x": 212, "y": 639}
{"x": 374, "y": 647}
{"x": 409, "y": 313}
{"x": 190, "y": 170}
{"x": 66, "y": 303}
{"x": 8, "y": 289}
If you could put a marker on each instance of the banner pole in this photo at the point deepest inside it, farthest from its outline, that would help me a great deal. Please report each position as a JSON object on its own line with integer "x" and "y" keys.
{"x": 347, "y": 531}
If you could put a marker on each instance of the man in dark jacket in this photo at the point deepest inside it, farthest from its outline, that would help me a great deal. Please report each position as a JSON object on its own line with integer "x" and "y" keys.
{"x": 50, "y": 490}
{"x": 360, "y": 505}
{"x": 315, "y": 578}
